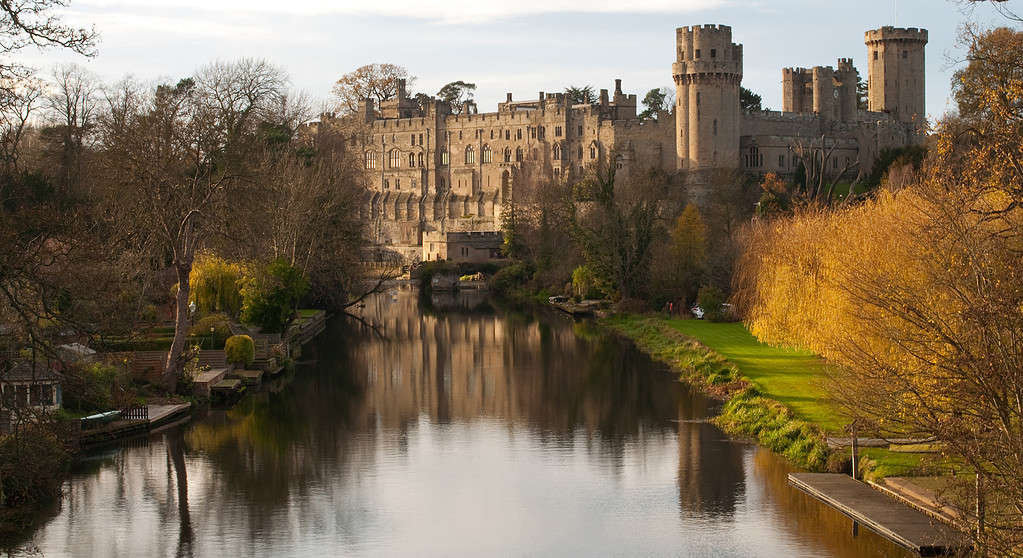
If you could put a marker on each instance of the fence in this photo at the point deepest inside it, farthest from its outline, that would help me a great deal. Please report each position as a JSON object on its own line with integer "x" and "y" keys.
{"x": 135, "y": 412}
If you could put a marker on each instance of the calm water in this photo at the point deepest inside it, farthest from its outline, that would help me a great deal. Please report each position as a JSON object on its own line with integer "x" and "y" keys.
{"x": 445, "y": 427}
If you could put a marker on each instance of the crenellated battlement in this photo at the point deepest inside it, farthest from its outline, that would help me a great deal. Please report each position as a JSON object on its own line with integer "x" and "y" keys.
{"x": 889, "y": 33}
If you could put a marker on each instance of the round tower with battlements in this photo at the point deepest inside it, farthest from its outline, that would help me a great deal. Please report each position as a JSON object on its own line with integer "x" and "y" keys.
{"x": 895, "y": 58}
{"x": 707, "y": 73}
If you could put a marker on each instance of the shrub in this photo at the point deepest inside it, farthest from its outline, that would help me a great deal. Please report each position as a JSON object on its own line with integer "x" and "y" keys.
{"x": 240, "y": 349}
{"x": 92, "y": 388}
{"x": 219, "y": 323}
{"x": 512, "y": 277}
{"x": 32, "y": 466}
{"x": 270, "y": 297}
{"x": 711, "y": 299}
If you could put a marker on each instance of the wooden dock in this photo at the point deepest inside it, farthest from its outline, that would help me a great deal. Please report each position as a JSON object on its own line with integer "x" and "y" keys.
{"x": 150, "y": 417}
{"x": 895, "y": 521}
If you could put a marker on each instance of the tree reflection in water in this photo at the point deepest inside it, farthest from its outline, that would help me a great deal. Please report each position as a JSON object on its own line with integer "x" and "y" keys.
{"x": 449, "y": 425}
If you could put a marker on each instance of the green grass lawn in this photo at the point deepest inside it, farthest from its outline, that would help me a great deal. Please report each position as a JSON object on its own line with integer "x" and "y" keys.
{"x": 792, "y": 377}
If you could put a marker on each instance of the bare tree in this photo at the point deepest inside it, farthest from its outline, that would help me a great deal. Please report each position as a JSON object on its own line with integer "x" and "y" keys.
{"x": 32, "y": 23}
{"x": 72, "y": 111}
{"x": 372, "y": 81}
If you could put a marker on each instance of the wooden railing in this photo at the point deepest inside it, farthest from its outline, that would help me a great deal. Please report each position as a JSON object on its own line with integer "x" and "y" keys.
{"x": 135, "y": 412}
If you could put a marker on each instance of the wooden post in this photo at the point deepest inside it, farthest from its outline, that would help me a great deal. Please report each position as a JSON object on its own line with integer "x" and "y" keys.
{"x": 855, "y": 450}
{"x": 980, "y": 505}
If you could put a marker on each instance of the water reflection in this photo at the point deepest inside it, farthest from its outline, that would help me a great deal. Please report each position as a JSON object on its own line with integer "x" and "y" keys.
{"x": 449, "y": 426}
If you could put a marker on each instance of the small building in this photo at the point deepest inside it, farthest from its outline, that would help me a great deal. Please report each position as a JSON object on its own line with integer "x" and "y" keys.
{"x": 25, "y": 385}
{"x": 464, "y": 246}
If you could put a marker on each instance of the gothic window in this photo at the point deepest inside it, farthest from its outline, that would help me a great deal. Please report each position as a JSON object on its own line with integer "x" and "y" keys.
{"x": 470, "y": 155}
{"x": 781, "y": 161}
{"x": 532, "y": 133}
{"x": 540, "y": 131}
{"x": 413, "y": 139}
{"x": 593, "y": 152}
{"x": 395, "y": 159}
{"x": 420, "y": 139}
{"x": 507, "y": 154}
{"x": 557, "y": 131}
{"x": 371, "y": 159}
{"x": 507, "y": 134}
{"x": 580, "y": 152}
{"x": 518, "y": 154}
{"x": 411, "y": 159}
{"x": 387, "y": 184}
{"x": 875, "y": 55}
{"x": 557, "y": 152}
{"x": 397, "y": 184}
{"x": 444, "y": 157}
{"x": 557, "y": 172}
{"x": 488, "y": 155}
{"x": 834, "y": 163}
{"x": 518, "y": 133}
{"x": 420, "y": 159}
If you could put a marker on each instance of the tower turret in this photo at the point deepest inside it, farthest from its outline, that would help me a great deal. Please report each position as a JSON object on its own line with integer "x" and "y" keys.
{"x": 895, "y": 58}
{"x": 707, "y": 73}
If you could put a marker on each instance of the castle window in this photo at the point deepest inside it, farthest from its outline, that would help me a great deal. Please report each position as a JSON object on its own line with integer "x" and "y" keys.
{"x": 507, "y": 134}
{"x": 580, "y": 152}
{"x": 518, "y": 154}
{"x": 781, "y": 161}
{"x": 387, "y": 184}
{"x": 834, "y": 163}
{"x": 411, "y": 159}
{"x": 557, "y": 152}
{"x": 557, "y": 131}
{"x": 580, "y": 130}
{"x": 697, "y": 53}
{"x": 413, "y": 140}
{"x": 488, "y": 155}
{"x": 875, "y": 55}
{"x": 507, "y": 154}
{"x": 905, "y": 54}
{"x": 541, "y": 132}
{"x": 532, "y": 133}
{"x": 491, "y": 134}
{"x": 394, "y": 161}
{"x": 420, "y": 139}
{"x": 470, "y": 155}
{"x": 713, "y": 53}
{"x": 440, "y": 183}
{"x": 397, "y": 184}
{"x": 593, "y": 152}
{"x": 715, "y": 126}
{"x": 444, "y": 160}
{"x": 420, "y": 159}
{"x": 371, "y": 159}
{"x": 459, "y": 135}
{"x": 557, "y": 171}
{"x": 518, "y": 134}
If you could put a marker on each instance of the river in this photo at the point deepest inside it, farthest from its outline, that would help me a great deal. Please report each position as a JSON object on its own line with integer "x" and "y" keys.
{"x": 445, "y": 426}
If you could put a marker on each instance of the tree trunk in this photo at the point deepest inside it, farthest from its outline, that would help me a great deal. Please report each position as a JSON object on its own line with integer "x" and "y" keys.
{"x": 172, "y": 369}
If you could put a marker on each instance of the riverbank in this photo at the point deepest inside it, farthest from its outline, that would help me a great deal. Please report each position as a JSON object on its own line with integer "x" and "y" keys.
{"x": 748, "y": 410}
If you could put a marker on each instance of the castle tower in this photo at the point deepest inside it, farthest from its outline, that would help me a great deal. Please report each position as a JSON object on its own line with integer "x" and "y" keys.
{"x": 895, "y": 58}
{"x": 707, "y": 73}
{"x": 847, "y": 77}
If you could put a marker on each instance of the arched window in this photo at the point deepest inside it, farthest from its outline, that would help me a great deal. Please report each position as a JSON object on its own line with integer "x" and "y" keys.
{"x": 371, "y": 159}
{"x": 518, "y": 154}
{"x": 593, "y": 152}
{"x": 518, "y": 133}
{"x": 488, "y": 156}
{"x": 420, "y": 159}
{"x": 507, "y": 154}
{"x": 557, "y": 152}
{"x": 470, "y": 155}
{"x": 394, "y": 160}
{"x": 411, "y": 159}
{"x": 444, "y": 159}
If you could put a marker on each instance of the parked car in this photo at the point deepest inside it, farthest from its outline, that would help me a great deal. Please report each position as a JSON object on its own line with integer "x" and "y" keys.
{"x": 697, "y": 311}
{"x": 726, "y": 309}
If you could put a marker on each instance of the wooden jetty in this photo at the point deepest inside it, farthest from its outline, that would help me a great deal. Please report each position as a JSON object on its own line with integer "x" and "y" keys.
{"x": 135, "y": 420}
{"x": 895, "y": 521}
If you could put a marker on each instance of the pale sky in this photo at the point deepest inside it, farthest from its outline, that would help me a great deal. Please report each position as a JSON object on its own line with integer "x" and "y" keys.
{"x": 520, "y": 47}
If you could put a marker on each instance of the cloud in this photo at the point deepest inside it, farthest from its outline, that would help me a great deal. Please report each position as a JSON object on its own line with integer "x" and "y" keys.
{"x": 447, "y": 12}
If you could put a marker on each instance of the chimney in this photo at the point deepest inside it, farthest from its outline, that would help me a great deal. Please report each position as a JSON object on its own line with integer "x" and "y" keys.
{"x": 509, "y": 98}
{"x": 603, "y": 97}
{"x": 618, "y": 87}
{"x": 401, "y": 89}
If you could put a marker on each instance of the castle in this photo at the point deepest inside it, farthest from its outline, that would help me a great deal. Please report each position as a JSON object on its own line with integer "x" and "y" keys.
{"x": 439, "y": 176}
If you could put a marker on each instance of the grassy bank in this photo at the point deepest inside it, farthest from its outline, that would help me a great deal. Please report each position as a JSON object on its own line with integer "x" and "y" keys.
{"x": 750, "y": 409}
